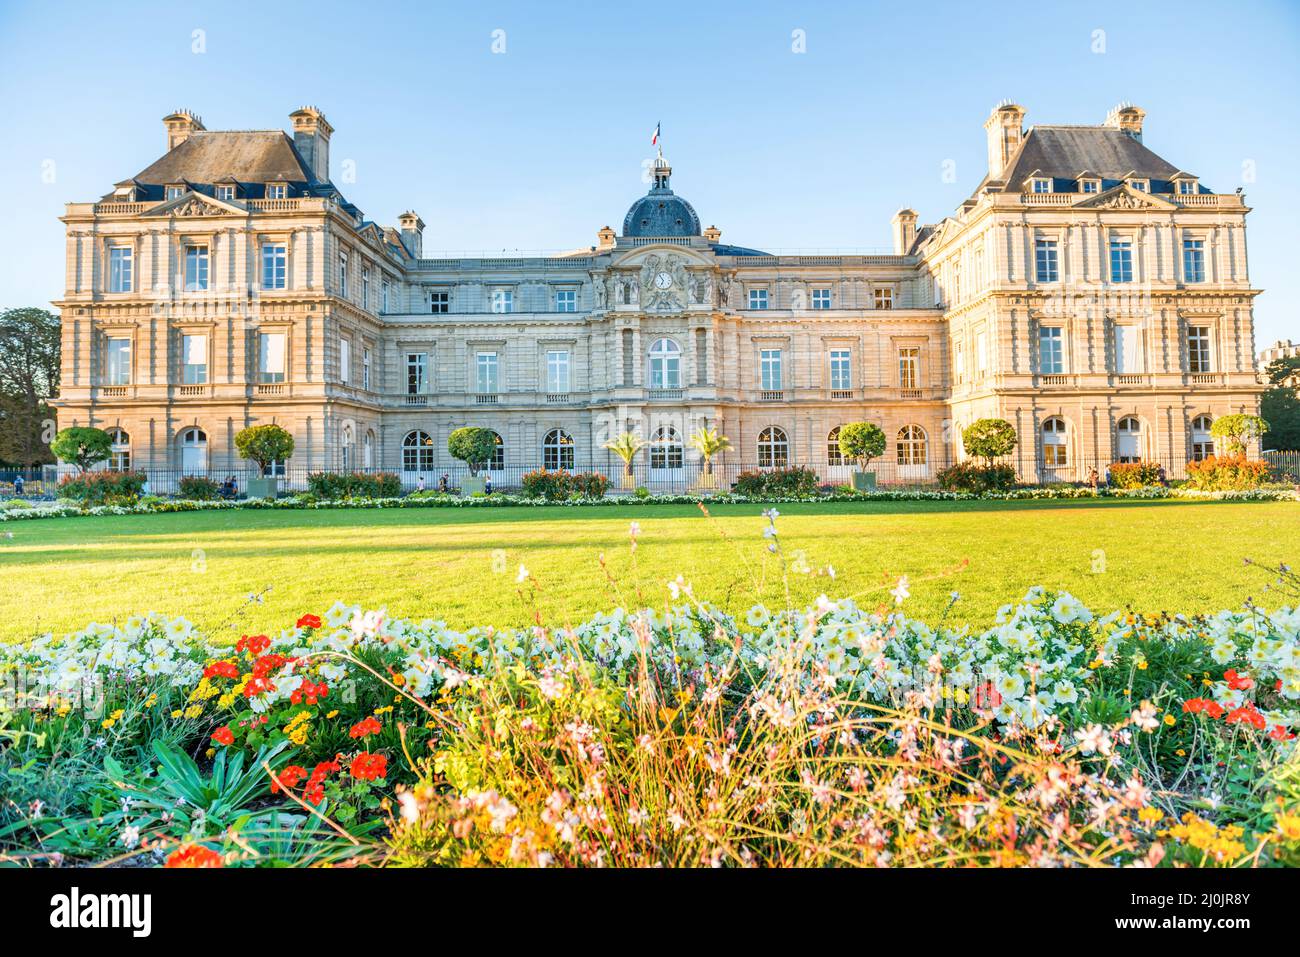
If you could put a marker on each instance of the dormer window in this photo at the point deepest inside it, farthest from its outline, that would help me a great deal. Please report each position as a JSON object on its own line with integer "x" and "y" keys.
{"x": 226, "y": 193}
{"x": 1141, "y": 185}
{"x": 1090, "y": 186}
{"x": 124, "y": 193}
{"x": 1040, "y": 184}
{"x": 175, "y": 191}
{"x": 1186, "y": 187}
{"x": 277, "y": 191}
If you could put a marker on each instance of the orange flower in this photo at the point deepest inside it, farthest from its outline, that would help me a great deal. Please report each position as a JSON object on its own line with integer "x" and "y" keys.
{"x": 193, "y": 855}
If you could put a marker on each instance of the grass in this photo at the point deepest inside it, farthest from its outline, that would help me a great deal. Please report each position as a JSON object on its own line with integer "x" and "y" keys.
{"x": 460, "y": 564}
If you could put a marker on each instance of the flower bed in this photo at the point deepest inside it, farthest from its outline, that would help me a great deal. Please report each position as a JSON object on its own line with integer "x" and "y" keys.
{"x": 430, "y": 499}
{"x": 832, "y": 734}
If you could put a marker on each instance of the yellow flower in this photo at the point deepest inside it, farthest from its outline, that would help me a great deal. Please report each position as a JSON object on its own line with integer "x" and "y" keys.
{"x": 1142, "y": 665}
{"x": 107, "y": 723}
{"x": 384, "y": 709}
{"x": 176, "y": 713}
{"x": 1150, "y": 815}
{"x": 1181, "y": 753}
{"x": 194, "y": 710}
{"x": 333, "y": 714}
{"x": 1288, "y": 825}
{"x": 151, "y": 701}
{"x": 210, "y": 752}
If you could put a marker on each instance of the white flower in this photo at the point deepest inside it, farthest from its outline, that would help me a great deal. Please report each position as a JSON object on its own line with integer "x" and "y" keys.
{"x": 1065, "y": 692}
{"x": 900, "y": 591}
{"x": 1093, "y": 740}
{"x": 522, "y": 576}
{"x": 130, "y": 836}
{"x": 1145, "y": 717}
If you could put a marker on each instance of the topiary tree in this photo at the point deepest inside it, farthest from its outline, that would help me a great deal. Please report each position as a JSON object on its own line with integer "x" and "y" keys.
{"x": 626, "y": 446}
{"x": 82, "y": 446}
{"x": 989, "y": 439}
{"x": 473, "y": 446}
{"x": 1238, "y": 429}
{"x": 709, "y": 443}
{"x": 862, "y": 442}
{"x": 264, "y": 444}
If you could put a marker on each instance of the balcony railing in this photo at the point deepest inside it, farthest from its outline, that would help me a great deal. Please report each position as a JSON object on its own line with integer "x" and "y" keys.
{"x": 416, "y": 400}
{"x": 1054, "y": 378}
{"x": 842, "y": 393}
{"x": 271, "y": 388}
{"x": 665, "y": 394}
{"x": 771, "y": 395}
{"x": 486, "y": 398}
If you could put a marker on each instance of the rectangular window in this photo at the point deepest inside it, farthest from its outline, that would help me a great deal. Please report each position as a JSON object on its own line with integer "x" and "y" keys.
{"x": 194, "y": 359}
{"x": 226, "y": 193}
{"x": 117, "y": 362}
{"x": 557, "y": 371}
{"x": 1193, "y": 260}
{"x": 566, "y": 300}
{"x": 981, "y": 352}
{"x": 417, "y": 368}
{"x": 1139, "y": 184}
{"x": 503, "y": 300}
{"x": 1126, "y": 349}
{"x": 1051, "y": 358}
{"x": 440, "y": 302}
{"x": 196, "y": 268}
{"x": 959, "y": 361}
{"x": 1186, "y": 187}
{"x": 841, "y": 369}
{"x": 277, "y": 191}
{"x": 345, "y": 361}
{"x": 1045, "y": 264}
{"x": 175, "y": 192}
{"x": 385, "y": 291}
{"x": 365, "y": 369}
{"x": 120, "y": 261}
{"x": 1089, "y": 186}
{"x": 271, "y": 357}
{"x": 486, "y": 380}
{"x": 365, "y": 287}
{"x": 1121, "y": 260}
{"x": 821, "y": 299}
{"x": 343, "y": 274}
{"x": 758, "y": 299}
{"x": 1198, "y": 349}
{"x": 275, "y": 265}
{"x": 908, "y": 360}
{"x": 769, "y": 363}
{"x": 884, "y": 297}
{"x": 1042, "y": 185}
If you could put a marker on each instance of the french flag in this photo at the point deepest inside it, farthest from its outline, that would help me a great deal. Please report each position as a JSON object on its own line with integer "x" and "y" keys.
{"x": 654, "y": 138}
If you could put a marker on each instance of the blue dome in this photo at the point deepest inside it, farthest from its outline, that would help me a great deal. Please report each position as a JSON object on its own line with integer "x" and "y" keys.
{"x": 660, "y": 212}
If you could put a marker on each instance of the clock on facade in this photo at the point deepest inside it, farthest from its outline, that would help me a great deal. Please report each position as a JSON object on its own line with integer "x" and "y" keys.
{"x": 663, "y": 280}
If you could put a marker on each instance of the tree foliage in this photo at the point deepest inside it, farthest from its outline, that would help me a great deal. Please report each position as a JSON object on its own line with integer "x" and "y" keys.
{"x": 29, "y": 378}
{"x": 989, "y": 439}
{"x": 626, "y": 446}
{"x": 475, "y": 447}
{"x": 1280, "y": 404}
{"x": 1238, "y": 429}
{"x": 82, "y": 446}
{"x": 862, "y": 442}
{"x": 264, "y": 444}
{"x": 709, "y": 443}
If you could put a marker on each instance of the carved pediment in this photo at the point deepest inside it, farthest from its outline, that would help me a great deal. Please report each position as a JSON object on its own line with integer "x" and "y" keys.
{"x": 1123, "y": 197}
{"x": 196, "y": 204}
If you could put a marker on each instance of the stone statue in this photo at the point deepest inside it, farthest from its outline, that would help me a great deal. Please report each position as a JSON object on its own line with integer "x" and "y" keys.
{"x": 598, "y": 290}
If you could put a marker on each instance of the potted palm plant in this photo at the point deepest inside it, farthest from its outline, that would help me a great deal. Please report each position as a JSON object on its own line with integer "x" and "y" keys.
{"x": 626, "y": 446}
{"x": 474, "y": 447}
{"x": 861, "y": 442}
{"x": 708, "y": 443}
{"x": 265, "y": 445}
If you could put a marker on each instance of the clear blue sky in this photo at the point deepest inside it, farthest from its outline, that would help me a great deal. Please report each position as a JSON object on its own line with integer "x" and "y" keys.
{"x": 537, "y": 147}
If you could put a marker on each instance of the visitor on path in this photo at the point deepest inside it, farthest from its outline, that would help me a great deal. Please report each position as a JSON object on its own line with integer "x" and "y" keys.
{"x": 18, "y": 486}
{"x": 444, "y": 485}
{"x": 487, "y": 485}
{"x": 419, "y": 484}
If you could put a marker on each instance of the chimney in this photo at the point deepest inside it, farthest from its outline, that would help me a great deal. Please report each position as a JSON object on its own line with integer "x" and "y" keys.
{"x": 179, "y": 127}
{"x": 904, "y": 222}
{"x": 1005, "y": 128}
{"x": 1127, "y": 118}
{"x": 712, "y": 234}
{"x": 311, "y": 135}
{"x": 605, "y": 238}
{"x": 412, "y": 233}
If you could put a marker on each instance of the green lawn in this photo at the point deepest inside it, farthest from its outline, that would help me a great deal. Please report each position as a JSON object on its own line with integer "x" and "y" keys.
{"x": 460, "y": 564}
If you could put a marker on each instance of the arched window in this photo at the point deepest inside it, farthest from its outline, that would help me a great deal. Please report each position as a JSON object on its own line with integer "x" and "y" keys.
{"x": 498, "y": 460}
{"x": 368, "y": 450}
{"x": 417, "y": 452}
{"x": 345, "y": 446}
{"x": 1056, "y": 445}
{"x": 557, "y": 450}
{"x": 833, "y": 454}
{"x": 773, "y": 448}
{"x": 1128, "y": 444}
{"x": 194, "y": 452}
{"x": 665, "y": 365}
{"x": 119, "y": 454}
{"x": 911, "y": 445}
{"x": 666, "y": 449}
{"x": 1202, "y": 440}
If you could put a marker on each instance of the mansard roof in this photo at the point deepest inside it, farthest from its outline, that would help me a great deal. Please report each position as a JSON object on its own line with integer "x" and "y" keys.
{"x": 251, "y": 157}
{"x": 1062, "y": 152}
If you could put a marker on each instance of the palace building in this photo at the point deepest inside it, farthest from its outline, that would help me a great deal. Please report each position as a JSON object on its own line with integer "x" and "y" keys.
{"x": 1090, "y": 292}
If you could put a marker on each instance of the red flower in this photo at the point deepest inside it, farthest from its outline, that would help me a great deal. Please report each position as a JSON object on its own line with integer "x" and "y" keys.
{"x": 193, "y": 855}
{"x": 1194, "y": 705}
{"x": 266, "y": 664}
{"x": 368, "y": 767}
{"x": 364, "y": 728}
{"x": 1214, "y": 709}
{"x": 223, "y": 735}
{"x": 309, "y": 621}
{"x": 1280, "y": 733}
{"x": 314, "y": 792}
{"x": 288, "y": 778}
{"x": 309, "y": 692}
{"x": 221, "y": 669}
{"x": 254, "y": 645}
{"x": 1247, "y": 715}
{"x": 1236, "y": 681}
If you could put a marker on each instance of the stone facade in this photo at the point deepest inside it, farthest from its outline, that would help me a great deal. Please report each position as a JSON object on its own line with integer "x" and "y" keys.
{"x": 1086, "y": 289}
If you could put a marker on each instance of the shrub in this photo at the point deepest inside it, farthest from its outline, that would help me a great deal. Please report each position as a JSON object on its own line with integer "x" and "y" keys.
{"x": 552, "y": 486}
{"x": 1134, "y": 474}
{"x": 791, "y": 481}
{"x": 264, "y": 444}
{"x": 977, "y": 479}
{"x": 861, "y": 442}
{"x": 81, "y": 446}
{"x": 344, "y": 485}
{"x": 198, "y": 488}
{"x": 103, "y": 488}
{"x": 590, "y": 484}
{"x": 1231, "y": 472}
{"x": 474, "y": 447}
{"x": 988, "y": 439}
